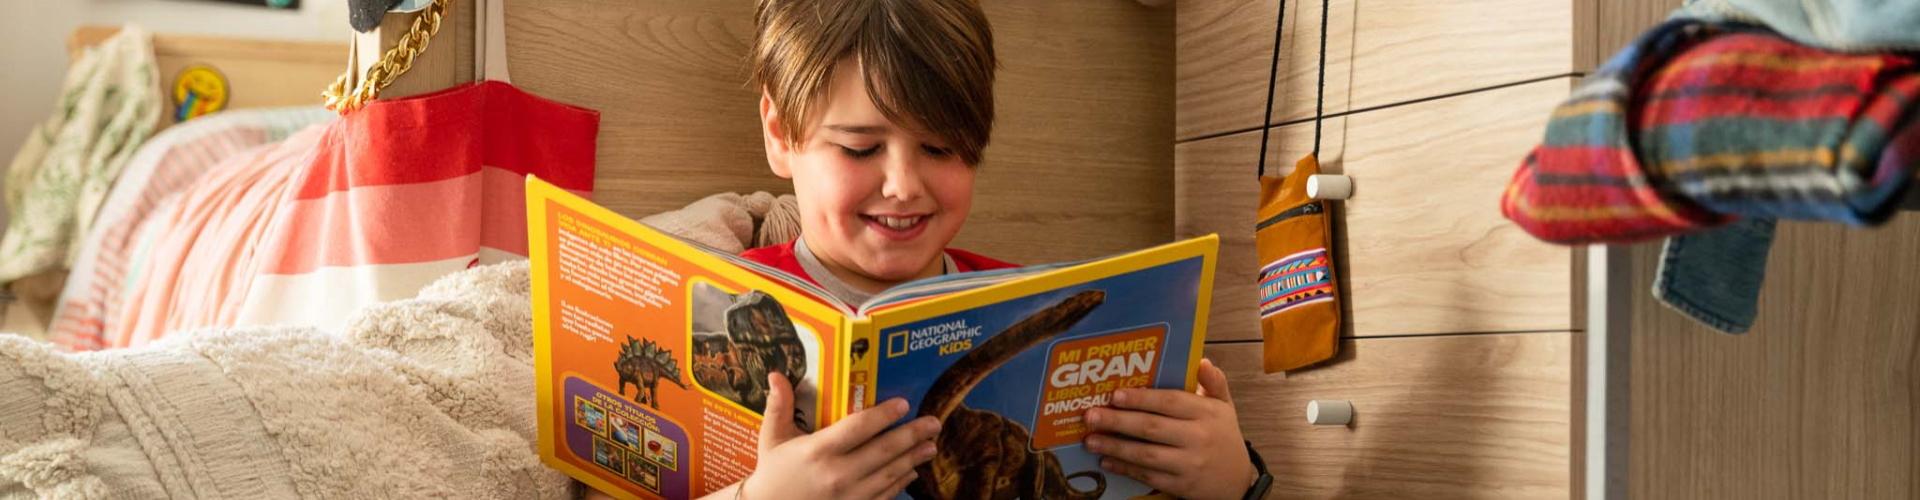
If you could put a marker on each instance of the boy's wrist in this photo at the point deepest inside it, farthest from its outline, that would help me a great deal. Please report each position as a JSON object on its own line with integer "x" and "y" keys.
{"x": 1259, "y": 480}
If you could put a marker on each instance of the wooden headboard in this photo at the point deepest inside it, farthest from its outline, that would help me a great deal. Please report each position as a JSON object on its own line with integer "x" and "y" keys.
{"x": 1081, "y": 162}
{"x": 259, "y": 73}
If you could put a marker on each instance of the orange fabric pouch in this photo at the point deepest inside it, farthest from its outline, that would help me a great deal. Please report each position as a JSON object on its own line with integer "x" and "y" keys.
{"x": 1299, "y": 296}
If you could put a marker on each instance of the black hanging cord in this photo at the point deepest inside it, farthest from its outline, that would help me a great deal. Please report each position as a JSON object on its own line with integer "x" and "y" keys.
{"x": 1273, "y": 74}
{"x": 1320, "y": 95}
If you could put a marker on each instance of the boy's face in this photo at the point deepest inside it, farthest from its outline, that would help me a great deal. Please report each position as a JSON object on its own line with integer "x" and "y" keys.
{"x": 876, "y": 198}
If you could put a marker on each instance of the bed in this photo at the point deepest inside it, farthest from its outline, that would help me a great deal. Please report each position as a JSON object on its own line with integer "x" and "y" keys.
{"x": 257, "y": 74}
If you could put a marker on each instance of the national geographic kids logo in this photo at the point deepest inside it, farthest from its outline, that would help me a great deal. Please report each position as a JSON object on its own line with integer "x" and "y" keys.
{"x": 951, "y": 337}
{"x": 198, "y": 90}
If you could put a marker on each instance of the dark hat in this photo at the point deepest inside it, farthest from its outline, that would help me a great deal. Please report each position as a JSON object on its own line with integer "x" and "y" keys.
{"x": 364, "y": 15}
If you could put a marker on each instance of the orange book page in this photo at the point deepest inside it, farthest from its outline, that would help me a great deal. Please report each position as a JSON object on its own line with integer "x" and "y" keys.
{"x": 653, "y": 357}
{"x": 1083, "y": 373}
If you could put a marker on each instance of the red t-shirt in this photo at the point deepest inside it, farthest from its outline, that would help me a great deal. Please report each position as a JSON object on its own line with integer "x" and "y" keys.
{"x": 782, "y": 257}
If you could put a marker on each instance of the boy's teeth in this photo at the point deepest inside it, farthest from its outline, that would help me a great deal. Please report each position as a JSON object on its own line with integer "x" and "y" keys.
{"x": 898, "y": 222}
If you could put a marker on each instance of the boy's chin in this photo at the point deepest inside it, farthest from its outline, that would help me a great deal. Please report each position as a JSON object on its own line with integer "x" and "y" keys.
{"x": 894, "y": 275}
{"x": 898, "y": 270}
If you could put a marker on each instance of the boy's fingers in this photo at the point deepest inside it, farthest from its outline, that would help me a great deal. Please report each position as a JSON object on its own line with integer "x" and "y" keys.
{"x": 888, "y": 477}
{"x": 899, "y": 486}
{"x": 1155, "y": 478}
{"x": 1140, "y": 425}
{"x": 1213, "y": 381}
{"x": 1162, "y": 457}
{"x": 857, "y": 429}
{"x": 1177, "y": 404}
{"x": 777, "y": 425}
{"x": 882, "y": 450}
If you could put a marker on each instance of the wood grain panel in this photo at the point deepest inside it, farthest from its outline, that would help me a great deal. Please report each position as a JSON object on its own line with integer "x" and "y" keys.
{"x": 260, "y": 73}
{"x": 1620, "y": 21}
{"x": 1586, "y": 39}
{"x": 1820, "y": 400}
{"x": 677, "y": 122}
{"x": 1378, "y": 52}
{"x": 1425, "y": 249}
{"x": 1080, "y": 162}
{"x": 1472, "y": 416}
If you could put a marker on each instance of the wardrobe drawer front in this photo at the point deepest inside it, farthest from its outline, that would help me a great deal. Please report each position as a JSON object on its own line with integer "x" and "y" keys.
{"x": 1425, "y": 249}
{"x": 1378, "y": 52}
{"x": 1473, "y": 416}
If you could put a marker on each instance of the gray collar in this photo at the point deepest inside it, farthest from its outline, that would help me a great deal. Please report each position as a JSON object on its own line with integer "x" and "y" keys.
{"x": 840, "y": 289}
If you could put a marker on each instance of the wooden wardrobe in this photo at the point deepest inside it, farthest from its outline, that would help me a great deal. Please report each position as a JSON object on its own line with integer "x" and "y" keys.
{"x": 1460, "y": 330}
{"x": 1820, "y": 400}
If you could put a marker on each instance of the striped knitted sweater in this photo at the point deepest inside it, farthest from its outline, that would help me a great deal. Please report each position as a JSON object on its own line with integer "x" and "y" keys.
{"x": 1695, "y": 125}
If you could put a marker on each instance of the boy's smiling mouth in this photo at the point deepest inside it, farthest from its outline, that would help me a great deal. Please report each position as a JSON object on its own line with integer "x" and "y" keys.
{"x": 897, "y": 227}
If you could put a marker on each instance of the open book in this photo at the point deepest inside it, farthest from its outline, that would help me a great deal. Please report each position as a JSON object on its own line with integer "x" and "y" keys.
{"x": 653, "y": 352}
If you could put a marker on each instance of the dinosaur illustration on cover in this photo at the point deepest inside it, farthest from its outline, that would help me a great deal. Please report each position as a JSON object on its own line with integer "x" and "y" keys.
{"x": 984, "y": 455}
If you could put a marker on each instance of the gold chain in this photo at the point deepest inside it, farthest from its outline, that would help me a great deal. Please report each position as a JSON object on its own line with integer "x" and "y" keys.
{"x": 392, "y": 64}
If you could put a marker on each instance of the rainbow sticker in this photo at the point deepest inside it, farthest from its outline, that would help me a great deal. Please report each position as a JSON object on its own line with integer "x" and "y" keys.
{"x": 198, "y": 90}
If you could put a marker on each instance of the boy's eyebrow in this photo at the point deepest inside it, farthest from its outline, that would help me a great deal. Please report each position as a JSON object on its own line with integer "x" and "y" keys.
{"x": 857, "y": 129}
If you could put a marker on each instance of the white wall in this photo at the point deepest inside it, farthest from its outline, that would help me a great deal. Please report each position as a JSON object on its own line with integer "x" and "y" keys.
{"x": 33, "y": 38}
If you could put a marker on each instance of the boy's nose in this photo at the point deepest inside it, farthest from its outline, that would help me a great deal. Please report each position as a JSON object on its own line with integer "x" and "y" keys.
{"x": 903, "y": 180}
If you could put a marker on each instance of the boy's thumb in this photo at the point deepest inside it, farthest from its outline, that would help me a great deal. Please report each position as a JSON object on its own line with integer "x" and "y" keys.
{"x": 1213, "y": 381}
{"x": 776, "y": 426}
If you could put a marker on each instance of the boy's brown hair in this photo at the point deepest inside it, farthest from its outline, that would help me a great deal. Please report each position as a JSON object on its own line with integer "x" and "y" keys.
{"x": 927, "y": 63}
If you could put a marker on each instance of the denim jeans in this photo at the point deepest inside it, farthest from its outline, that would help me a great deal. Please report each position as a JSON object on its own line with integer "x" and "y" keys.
{"x": 1714, "y": 276}
{"x": 1845, "y": 25}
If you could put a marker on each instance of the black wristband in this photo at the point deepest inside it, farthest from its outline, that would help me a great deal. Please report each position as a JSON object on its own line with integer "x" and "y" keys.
{"x": 1260, "y": 485}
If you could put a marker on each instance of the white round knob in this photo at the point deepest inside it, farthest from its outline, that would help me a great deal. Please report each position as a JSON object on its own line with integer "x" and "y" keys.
{"x": 1329, "y": 412}
{"x": 1329, "y": 187}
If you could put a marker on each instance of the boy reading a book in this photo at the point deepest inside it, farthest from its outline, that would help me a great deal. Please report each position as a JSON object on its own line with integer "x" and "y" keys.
{"x": 879, "y": 112}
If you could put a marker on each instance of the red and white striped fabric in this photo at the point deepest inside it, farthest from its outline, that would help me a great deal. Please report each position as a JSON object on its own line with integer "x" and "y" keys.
{"x": 405, "y": 191}
{"x": 167, "y": 165}
{"x": 197, "y": 247}
{"x": 369, "y": 208}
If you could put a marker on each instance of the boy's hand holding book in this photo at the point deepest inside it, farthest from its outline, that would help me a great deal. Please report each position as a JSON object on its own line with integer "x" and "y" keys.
{"x": 1175, "y": 441}
{"x": 854, "y": 458}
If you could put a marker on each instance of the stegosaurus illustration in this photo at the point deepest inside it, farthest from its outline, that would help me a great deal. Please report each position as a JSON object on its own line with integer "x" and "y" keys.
{"x": 644, "y": 364}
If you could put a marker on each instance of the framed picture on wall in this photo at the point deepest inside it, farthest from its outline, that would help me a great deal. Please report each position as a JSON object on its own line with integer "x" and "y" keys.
{"x": 271, "y": 4}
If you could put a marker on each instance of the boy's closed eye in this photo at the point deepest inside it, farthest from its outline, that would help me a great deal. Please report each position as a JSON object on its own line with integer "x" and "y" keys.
{"x": 853, "y": 152}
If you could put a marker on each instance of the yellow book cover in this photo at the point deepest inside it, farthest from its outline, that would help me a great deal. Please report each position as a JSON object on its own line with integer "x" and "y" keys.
{"x": 652, "y": 355}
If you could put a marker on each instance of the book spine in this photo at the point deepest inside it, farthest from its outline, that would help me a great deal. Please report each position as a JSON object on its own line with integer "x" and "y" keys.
{"x": 862, "y": 354}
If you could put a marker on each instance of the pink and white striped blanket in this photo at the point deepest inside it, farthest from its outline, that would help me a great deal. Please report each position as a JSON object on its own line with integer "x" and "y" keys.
{"x": 168, "y": 164}
{"x": 368, "y": 209}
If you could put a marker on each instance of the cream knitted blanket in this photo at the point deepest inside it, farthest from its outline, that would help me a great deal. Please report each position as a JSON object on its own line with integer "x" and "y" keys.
{"x": 426, "y": 397}
{"x": 430, "y": 397}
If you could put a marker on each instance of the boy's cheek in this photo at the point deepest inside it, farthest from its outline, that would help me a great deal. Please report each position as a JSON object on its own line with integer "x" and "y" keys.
{"x": 952, "y": 183}
{"x": 826, "y": 188}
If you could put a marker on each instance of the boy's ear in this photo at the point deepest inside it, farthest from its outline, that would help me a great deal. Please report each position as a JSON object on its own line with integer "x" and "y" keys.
{"x": 776, "y": 139}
